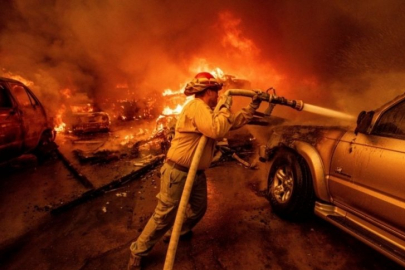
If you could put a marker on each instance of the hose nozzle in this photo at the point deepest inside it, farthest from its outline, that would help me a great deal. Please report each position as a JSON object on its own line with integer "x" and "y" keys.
{"x": 295, "y": 104}
{"x": 271, "y": 98}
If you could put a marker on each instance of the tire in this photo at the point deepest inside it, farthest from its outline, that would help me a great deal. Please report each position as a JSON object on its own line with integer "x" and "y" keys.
{"x": 46, "y": 145}
{"x": 290, "y": 189}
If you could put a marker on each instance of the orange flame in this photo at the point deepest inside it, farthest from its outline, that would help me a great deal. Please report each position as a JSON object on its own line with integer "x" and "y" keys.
{"x": 233, "y": 35}
{"x": 60, "y": 126}
{"x": 177, "y": 110}
{"x": 218, "y": 73}
{"x": 170, "y": 92}
{"x": 85, "y": 108}
{"x": 67, "y": 93}
{"x": 18, "y": 78}
{"x": 21, "y": 79}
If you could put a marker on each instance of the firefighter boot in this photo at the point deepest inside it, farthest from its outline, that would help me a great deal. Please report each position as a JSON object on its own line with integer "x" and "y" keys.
{"x": 134, "y": 262}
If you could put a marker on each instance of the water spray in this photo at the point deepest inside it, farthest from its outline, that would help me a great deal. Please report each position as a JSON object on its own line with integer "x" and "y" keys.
{"x": 327, "y": 112}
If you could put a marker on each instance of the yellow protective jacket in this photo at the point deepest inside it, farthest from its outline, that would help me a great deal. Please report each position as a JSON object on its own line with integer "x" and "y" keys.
{"x": 197, "y": 119}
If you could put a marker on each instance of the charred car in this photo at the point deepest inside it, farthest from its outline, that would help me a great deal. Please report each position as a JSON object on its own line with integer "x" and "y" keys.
{"x": 86, "y": 118}
{"x": 24, "y": 124}
{"x": 353, "y": 178}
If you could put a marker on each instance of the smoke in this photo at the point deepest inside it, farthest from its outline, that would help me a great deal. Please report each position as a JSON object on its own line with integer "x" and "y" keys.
{"x": 340, "y": 54}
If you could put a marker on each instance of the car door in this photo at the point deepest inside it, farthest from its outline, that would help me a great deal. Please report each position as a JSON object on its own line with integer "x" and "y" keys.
{"x": 11, "y": 135}
{"x": 368, "y": 170}
{"x": 32, "y": 114}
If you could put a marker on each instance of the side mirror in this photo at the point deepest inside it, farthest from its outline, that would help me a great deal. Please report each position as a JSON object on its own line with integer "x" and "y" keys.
{"x": 364, "y": 121}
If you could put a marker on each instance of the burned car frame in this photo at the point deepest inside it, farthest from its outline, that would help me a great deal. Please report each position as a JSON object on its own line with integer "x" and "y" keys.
{"x": 86, "y": 118}
{"x": 24, "y": 124}
{"x": 354, "y": 179}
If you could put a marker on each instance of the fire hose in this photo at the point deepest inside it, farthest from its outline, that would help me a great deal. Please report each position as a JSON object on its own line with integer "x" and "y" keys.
{"x": 174, "y": 239}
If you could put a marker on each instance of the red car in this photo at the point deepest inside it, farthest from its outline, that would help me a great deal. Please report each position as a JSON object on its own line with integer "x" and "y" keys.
{"x": 24, "y": 124}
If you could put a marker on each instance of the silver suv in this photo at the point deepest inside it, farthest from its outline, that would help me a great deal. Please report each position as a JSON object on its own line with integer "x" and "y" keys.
{"x": 24, "y": 125}
{"x": 354, "y": 179}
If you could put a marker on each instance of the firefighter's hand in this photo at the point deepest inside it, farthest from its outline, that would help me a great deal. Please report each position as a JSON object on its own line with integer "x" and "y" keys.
{"x": 225, "y": 101}
{"x": 255, "y": 104}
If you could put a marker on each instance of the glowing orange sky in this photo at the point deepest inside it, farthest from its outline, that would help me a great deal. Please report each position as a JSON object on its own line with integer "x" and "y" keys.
{"x": 334, "y": 54}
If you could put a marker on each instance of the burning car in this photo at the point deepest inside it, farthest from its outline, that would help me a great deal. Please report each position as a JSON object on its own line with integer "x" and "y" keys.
{"x": 351, "y": 178}
{"x": 25, "y": 126}
{"x": 86, "y": 118}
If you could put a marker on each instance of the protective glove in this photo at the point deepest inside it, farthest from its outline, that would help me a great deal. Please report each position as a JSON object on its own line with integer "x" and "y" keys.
{"x": 225, "y": 101}
{"x": 255, "y": 104}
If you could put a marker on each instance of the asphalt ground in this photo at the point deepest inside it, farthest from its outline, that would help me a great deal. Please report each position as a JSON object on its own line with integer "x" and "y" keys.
{"x": 239, "y": 230}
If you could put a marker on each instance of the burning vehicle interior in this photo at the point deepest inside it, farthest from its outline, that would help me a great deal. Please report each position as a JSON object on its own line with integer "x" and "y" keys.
{"x": 86, "y": 118}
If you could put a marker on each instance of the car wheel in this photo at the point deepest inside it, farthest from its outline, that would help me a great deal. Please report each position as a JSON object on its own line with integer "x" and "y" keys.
{"x": 46, "y": 145}
{"x": 290, "y": 188}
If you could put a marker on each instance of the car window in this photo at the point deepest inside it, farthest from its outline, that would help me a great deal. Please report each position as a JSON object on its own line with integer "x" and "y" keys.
{"x": 5, "y": 101}
{"x": 32, "y": 99}
{"x": 23, "y": 97}
{"x": 392, "y": 122}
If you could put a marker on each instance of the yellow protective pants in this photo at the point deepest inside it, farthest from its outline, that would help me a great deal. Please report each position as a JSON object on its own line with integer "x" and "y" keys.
{"x": 171, "y": 187}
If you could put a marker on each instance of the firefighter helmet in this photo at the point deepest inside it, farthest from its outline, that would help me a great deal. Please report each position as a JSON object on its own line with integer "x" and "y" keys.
{"x": 201, "y": 82}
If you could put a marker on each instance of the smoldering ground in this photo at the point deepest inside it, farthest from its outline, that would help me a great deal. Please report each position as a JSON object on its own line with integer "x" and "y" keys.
{"x": 340, "y": 54}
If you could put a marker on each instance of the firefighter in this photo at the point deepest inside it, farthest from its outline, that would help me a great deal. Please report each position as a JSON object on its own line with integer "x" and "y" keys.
{"x": 196, "y": 119}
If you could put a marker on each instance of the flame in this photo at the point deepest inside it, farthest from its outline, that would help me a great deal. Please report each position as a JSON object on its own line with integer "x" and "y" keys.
{"x": 130, "y": 139}
{"x": 60, "y": 126}
{"x": 168, "y": 111}
{"x": 19, "y": 78}
{"x": 127, "y": 139}
{"x": 85, "y": 108}
{"x": 67, "y": 93}
{"x": 160, "y": 127}
{"x": 218, "y": 73}
{"x": 233, "y": 35}
{"x": 177, "y": 102}
{"x": 170, "y": 92}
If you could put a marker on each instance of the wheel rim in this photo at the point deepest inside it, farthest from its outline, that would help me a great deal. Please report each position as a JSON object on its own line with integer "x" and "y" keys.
{"x": 283, "y": 184}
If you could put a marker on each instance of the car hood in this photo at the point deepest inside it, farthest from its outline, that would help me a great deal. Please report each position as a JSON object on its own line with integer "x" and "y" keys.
{"x": 313, "y": 135}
